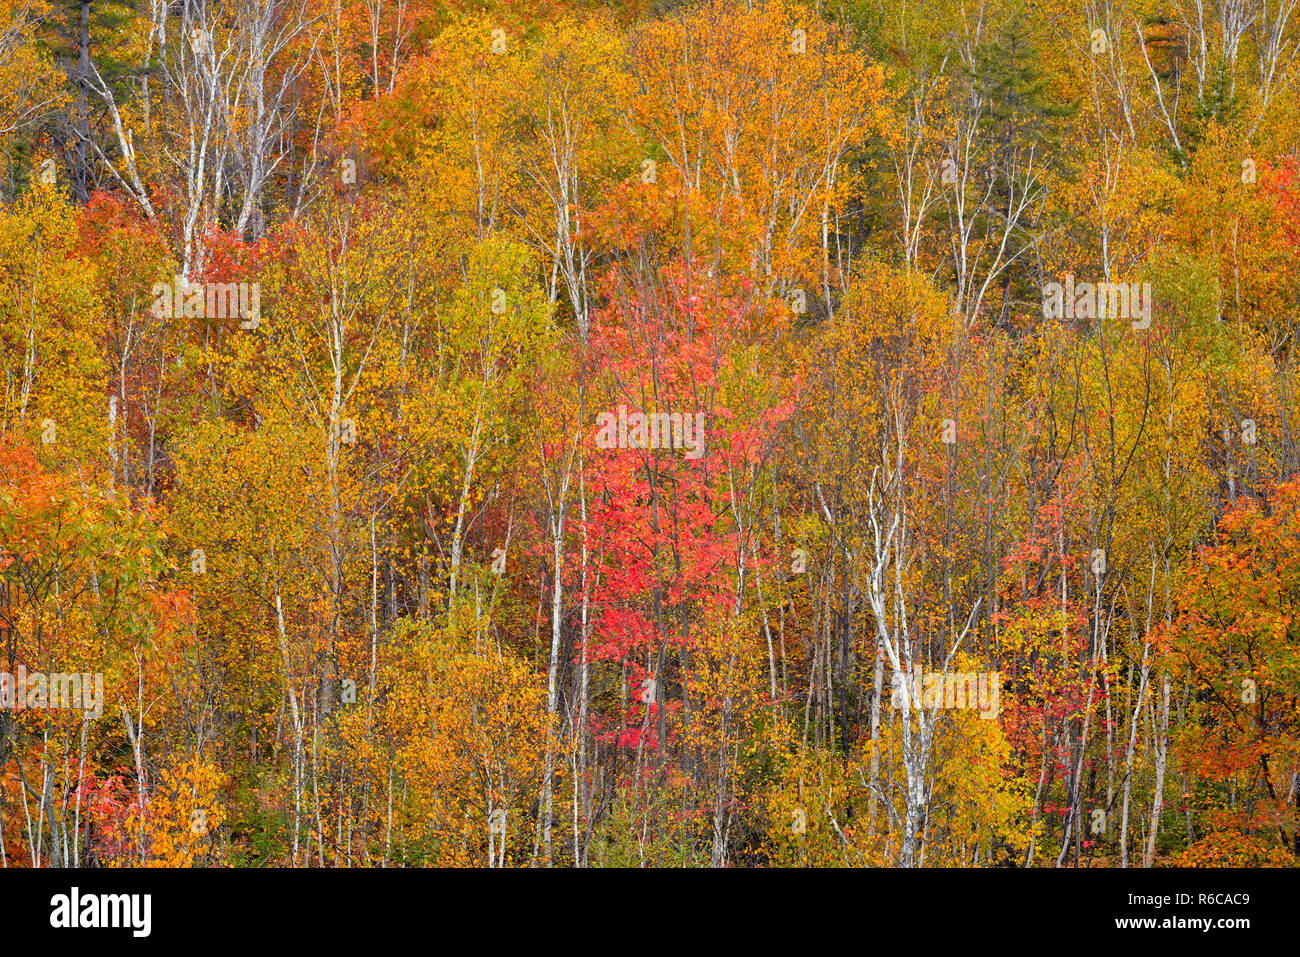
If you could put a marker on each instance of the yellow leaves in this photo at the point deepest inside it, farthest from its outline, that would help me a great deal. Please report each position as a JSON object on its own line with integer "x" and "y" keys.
{"x": 520, "y": 141}
{"x": 49, "y": 328}
{"x": 469, "y": 729}
{"x": 890, "y": 335}
{"x": 181, "y": 815}
{"x": 370, "y": 480}
{"x": 818, "y": 811}
{"x": 1231, "y": 848}
{"x": 754, "y": 126}
{"x": 30, "y": 85}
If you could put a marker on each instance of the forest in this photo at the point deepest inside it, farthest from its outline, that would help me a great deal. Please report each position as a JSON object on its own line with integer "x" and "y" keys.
{"x": 850, "y": 434}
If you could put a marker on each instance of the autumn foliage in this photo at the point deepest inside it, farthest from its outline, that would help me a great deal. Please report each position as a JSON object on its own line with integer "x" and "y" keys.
{"x": 631, "y": 435}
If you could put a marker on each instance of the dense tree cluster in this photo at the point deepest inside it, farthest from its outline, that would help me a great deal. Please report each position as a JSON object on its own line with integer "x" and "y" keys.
{"x": 717, "y": 433}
